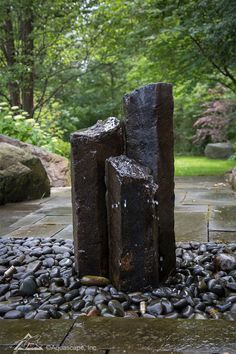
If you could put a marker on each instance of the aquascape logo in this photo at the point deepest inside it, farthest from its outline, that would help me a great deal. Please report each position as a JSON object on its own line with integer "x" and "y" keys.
{"x": 28, "y": 343}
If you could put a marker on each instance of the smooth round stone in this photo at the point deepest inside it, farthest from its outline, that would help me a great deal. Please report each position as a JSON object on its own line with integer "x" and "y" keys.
{"x": 231, "y": 298}
{"x": 3, "y": 288}
{"x": 30, "y": 315}
{"x": 88, "y": 298}
{"x": 18, "y": 261}
{"x": 57, "y": 289}
{"x": 78, "y": 305}
{"x": 225, "y": 262}
{"x": 200, "y": 306}
{"x": 116, "y": 308}
{"x": 167, "y": 306}
{"x": 65, "y": 307}
{"x": 138, "y": 298}
{"x": 108, "y": 314}
{"x": 148, "y": 315}
{"x": 74, "y": 284}
{"x": 65, "y": 262}
{"x": 90, "y": 280}
{"x": 36, "y": 252}
{"x": 43, "y": 280}
{"x": 91, "y": 290}
{"x": 61, "y": 249}
{"x": 55, "y": 273}
{"x": 125, "y": 305}
{"x": 46, "y": 250}
{"x": 180, "y": 304}
{"x": 231, "y": 286}
{"x": 224, "y": 307}
{"x": 28, "y": 287}
{"x": 199, "y": 316}
{"x": 155, "y": 308}
{"x": 54, "y": 313}
{"x": 187, "y": 312}
{"x": 4, "y": 308}
{"x": 42, "y": 315}
{"x": 101, "y": 298}
{"x": 162, "y": 292}
{"x": 49, "y": 262}
{"x": 202, "y": 248}
{"x": 120, "y": 296}
{"x": 233, "y": 308}
{"x": 2, "y": 270}
{"x": 24, "y": 308}
{"x": 57, "y": 299}
{"x": 102, "y": 308}
{"x": 71, "y": 294}
{"x": 13, "y": 314}
{"x": 67, "y": 272}
{"x": 172, "y": 315}
{"x": 216, "y": 288}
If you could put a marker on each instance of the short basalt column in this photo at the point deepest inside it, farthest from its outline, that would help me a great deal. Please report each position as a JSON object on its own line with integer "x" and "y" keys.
{"x": 132, "y": 218}
{"x": 90, "y": 149}
{"x": 149, "y": 140}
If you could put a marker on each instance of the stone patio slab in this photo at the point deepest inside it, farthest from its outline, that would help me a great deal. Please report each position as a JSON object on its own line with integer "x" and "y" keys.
{"x": 27, "y": 220}
{"x": 224, "y": 237}
{"x": 39, "y": 230}
{"x": 154, "y": 335}
{"x": 210, "y": 197}
{"x": 55, "y": 211}
{"x": 192, "y": 208}
{"x": 53, "y": 219}
{"x": 48, "y": 332}
{"x": 65, "y": 234}
{"x": 190, "y": 226}
{"x": 223, "y": 218}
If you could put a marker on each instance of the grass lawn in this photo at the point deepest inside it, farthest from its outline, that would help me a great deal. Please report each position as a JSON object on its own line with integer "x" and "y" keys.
{"x": 201, "y": 166}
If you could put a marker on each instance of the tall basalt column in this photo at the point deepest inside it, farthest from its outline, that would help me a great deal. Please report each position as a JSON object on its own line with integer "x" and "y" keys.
{"x": 149, "y": 140}
{"x": 132, "y": 219}
{"x": 90, "y": 149}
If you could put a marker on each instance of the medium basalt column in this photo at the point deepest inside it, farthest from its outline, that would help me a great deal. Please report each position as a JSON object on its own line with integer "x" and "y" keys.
{"x": 90, "y": 149}
{"x": 149, "y": 141}
{"x": 132, "y": 219}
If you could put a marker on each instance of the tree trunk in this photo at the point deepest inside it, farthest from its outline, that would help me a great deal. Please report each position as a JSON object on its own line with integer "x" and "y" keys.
{"x": 10, "y": 55}
{"x": 28, "y": 59}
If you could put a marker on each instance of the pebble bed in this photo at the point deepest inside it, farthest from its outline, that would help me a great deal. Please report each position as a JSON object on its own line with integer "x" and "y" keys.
{"x": 44, "y": 284}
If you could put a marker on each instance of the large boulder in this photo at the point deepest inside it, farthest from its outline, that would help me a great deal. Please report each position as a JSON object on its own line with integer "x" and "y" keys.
{"x": 22, "y": 175}
{"x": 219, "y": 150}
{"x": 56, "y": 166}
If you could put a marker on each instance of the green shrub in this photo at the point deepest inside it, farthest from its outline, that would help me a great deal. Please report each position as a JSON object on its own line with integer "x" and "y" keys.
{"x": 16, "y": 123}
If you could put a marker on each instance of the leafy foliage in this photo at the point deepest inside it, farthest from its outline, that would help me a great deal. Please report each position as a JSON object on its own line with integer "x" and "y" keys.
{"x": 217, "y": 122}
{"x": 15, "y": 123}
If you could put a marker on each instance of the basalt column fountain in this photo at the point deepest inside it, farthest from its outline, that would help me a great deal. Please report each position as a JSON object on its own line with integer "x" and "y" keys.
{"x": 133, "y": 224}
{"x": 90, "y": 148}
{"x": 149, "y": 141}
{"x": 123, "y": 215}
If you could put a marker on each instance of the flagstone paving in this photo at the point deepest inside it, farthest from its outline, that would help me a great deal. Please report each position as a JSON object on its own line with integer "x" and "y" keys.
{"x": 205, "y": 209}
{"x": 110, "y": 336}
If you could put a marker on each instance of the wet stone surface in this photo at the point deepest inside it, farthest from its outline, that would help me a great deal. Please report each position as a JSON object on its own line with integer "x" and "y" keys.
{"x": 90, "y": 149}
{"x": 204, "y": 286}
{"x": 149, "y": 141}
{"x": 132, "y": 224}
